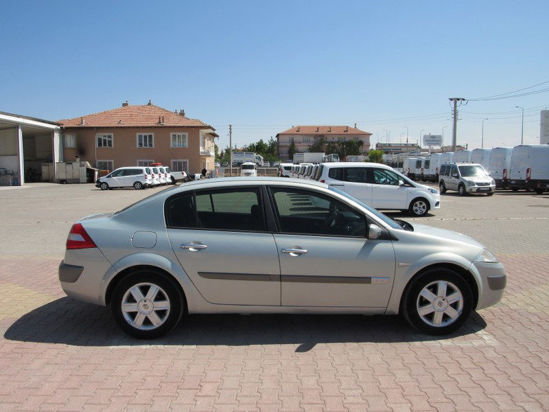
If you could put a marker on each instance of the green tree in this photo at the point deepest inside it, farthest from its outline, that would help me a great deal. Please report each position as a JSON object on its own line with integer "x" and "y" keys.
{"x": 344, "y": 148}
{"x": 318, "y": 145}
{"x": 291, "y": 149}
{"x": 375, "y": 156}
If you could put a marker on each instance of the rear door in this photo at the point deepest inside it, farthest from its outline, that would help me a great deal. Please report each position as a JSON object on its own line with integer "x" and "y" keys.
{"x": 357, "y": 185}
{"x": 325, "y": 258}
{"x": 220, "y": 239}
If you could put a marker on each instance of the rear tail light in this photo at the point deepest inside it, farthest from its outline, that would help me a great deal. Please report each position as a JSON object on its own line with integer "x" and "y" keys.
{"x": 528, "y": 173}
{"x": 505, "y": 173}
{"x": 79, "y": 238}
{"x": 322, "y": 181}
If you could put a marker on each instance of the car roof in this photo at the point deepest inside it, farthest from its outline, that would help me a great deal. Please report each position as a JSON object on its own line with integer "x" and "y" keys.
{"x": 235, "y": 181}
{"x": 355, "y": 164}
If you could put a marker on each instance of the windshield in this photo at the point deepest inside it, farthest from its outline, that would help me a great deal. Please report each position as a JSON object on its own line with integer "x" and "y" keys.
{"x": 248, "y": 166}
{"x": 472, "y": 171}
{"x": 381, "y": 216}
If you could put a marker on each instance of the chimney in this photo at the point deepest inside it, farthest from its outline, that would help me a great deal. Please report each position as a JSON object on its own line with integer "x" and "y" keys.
{"x": 162, "y": 120}
{"x": 317, "y": 129}
{"x": 150, "y": 103}
{"x": 355, "y": 125}
{"x": 82, "y": 121}
{"x": 182, "y": 112}
{"x": 297, "y": 130}
{"x": 125, "y": 104}
{"x": 346, "y": 129}
{"x": 159, "y": 120}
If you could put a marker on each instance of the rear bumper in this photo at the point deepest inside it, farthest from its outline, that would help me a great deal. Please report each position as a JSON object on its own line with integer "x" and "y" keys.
{"x": 69, "y": 273}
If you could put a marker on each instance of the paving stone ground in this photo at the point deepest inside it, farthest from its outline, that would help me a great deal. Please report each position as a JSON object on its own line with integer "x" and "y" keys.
{"x": 60, "y": 354}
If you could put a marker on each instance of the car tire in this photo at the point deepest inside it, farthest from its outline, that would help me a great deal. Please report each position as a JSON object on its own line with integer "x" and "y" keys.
{"x": 173, "y": 180}
{"x": 461, "y": 190}
{"x": 442, "y": 187}
{"x": 490, "y": 193}
{"x": 104, "y": 186}
{"x": 138, "y": 185}
{"x": 140, "y": 311}
{"x": 539, "y": 191}
{"x": 515, "y": 189}
{"x": 419, "y": 207}
{"x": 437, "y": 302}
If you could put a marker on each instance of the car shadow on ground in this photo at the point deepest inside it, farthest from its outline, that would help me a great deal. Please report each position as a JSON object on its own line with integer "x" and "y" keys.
{"x": 71, "y": 322}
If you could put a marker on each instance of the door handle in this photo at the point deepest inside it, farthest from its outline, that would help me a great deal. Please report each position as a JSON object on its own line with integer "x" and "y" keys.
{"x": 193, "y": 247}
{"x": 294, "y": 251}
{"x": 332, "y": 185}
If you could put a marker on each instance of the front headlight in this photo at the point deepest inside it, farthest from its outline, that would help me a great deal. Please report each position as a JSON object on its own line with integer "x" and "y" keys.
{"x": 433, "y": 191}
{"x": 486, "y": 257}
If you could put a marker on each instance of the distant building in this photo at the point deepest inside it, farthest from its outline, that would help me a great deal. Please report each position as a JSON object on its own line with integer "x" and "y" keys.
{"x": 137, "y": 135}
{"x": 393, "y": 148}
{"x": 304, "y": 136}
{"x": 544, "y": 127}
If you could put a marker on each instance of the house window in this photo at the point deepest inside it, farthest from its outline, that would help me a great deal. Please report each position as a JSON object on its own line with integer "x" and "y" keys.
{"x": 145, "y": 140}
{"x": 104, "y": 140}
{"x": 306, "y": 140}
{"x": 69, "y": 141}
{"x": 180, "y": 165}
{"x": 180, "y": 139}
{"x": 105, "y": 164}
{"x": 144, "y": 162}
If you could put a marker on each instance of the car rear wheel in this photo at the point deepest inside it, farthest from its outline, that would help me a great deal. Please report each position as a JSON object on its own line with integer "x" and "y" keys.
{"x": 419, "y": 207}
{"x": 138, "y": 185}
{"x": 438, "y": 302}
{"x": 539, "y": 191}
{"x": 442, "y": 187}
{"x": 146, "y": 304}
{"x": 461, "y": 190}
{"x": 104, "y": 186}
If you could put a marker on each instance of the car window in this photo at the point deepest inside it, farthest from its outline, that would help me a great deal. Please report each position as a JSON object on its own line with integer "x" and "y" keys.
{"x": 230, "y": 209}
{"x": 148, "y": 170}
{"x": 336, "y": 173}
{"x": 427, "y": 163}
{"x": 356, "y": 174}
{"x": 453, "y": 170}
{"x": 318, "y": 172}
{"x": 418, "y": 164}
{"x": 117, "y": 173}
{"x": 385, "y": 177}
{"x": 306, "y": 212}
{"x": 472, "y": 171}
{"x": 180, "y": 211}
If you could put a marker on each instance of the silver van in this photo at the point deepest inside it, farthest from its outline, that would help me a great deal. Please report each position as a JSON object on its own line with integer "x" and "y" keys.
{"x": 465, "y": 178}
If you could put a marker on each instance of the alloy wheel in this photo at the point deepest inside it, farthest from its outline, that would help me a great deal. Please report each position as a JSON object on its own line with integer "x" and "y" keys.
{"x": 440, "y": 303}
{"x": 145, "y": 306}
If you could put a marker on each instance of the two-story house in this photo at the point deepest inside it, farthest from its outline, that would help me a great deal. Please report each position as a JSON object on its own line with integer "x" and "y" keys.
{"x": 137, "y": 135}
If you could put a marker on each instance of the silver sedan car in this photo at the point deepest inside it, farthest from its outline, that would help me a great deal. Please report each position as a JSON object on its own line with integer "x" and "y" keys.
{"x": 272, "y": 245}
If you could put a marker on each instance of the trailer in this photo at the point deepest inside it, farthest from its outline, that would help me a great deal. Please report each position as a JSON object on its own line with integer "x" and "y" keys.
{"x": 481, "y": 156}
{"x": 463, "y": 156}
{"x": 499, "y": 166}
{"x": 309, "y": 157}
{"x": 530, "y": 168}
{"x": 432, "y": 166}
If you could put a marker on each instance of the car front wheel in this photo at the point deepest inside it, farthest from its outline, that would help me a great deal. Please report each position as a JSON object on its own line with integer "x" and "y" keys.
{"x": 146, "y": 304}
{"x": 104, "y": 186}
{"x": 438, "y": 302}
{"x": 442, "y": 187}
{"x": 461, "y": 190}
{"x": 419, "y": 207}
{"x": 138, "y": 185}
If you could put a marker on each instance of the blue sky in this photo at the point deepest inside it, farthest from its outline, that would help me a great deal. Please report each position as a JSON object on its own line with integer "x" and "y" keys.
{"x": 263, "y": 66}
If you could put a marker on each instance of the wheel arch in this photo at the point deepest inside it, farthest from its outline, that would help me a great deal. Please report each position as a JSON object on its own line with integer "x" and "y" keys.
{"x": 420, "y": 197}
{"x": 466, "y": 274}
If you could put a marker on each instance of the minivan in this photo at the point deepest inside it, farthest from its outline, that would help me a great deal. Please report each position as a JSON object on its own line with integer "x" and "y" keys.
{"x": 380, "y": 186}
{"x": 465, "y": 178}
{"x": 138, "y": 177}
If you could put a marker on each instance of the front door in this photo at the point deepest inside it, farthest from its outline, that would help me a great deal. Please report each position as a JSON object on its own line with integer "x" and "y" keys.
{"x": 224, "y": 247}
{"x": 325, "y": 258}
{"x": 387, "y": 193}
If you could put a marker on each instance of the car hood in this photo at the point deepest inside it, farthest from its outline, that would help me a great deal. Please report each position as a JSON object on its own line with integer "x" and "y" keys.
{"x": 446, "y": 234}
{"x": 477, "y": 179}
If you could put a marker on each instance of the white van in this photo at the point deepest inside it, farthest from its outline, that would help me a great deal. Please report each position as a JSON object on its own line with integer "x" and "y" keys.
{"x": 248, "y": 169}
{"x": 463, "y": 156}
{"x": 410, "y": 166}
{"x": 380, "y": 186}
{"x": 137, "y": 177}
{"x": 431, "y": 170}
{"x": 482, "y": 157}
{"x": 446, "y": 157}
{"x": 499, "y": 166}
{"x": 530, "y": 168}
{"x": 285, "y": 169}
{"x": 465, "y": 178}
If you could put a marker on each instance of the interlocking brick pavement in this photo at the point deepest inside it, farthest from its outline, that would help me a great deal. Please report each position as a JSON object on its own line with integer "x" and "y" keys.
{"x": 60, "y": 354}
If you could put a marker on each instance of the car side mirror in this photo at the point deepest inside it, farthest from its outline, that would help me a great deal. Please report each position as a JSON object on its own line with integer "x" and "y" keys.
{"x": 374, "y": 231}
{"x": 401, "y": 182}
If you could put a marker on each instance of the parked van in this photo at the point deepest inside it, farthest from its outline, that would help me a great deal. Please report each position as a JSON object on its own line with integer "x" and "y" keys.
{"x": 248, "y": 169}
{"x": 446, "y": 157}
{"x": 482, "y": 157}
{"x": 465, "y": 178}
{"x": 410, "y": 166}
{"x": 380, "y": 186}
{"x": 137, "y": 177}
{"x": 499, "y": 165}
{"x": 530, "y": 168}
{"x": 431, "y": 169}
{"x": 285, "y": 169}
{"x": 463, "y": 156}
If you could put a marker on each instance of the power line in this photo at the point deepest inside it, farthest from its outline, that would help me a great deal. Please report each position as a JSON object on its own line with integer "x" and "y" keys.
{"x": 506, "y": 93}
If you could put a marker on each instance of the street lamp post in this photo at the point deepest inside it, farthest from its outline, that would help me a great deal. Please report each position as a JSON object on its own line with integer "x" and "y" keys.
{"x": 482, "y": 135}
{"x": 522, "y": 124}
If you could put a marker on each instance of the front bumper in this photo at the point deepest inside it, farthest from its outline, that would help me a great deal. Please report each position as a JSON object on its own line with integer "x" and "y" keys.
{"x": 480, "y": 189}
{"x": 493, "y": 284}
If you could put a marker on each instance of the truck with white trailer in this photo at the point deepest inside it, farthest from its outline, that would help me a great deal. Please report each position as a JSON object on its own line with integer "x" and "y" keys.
{"x": 530, "y": 168}
{"x": 308, "y": 157}
{"x": 499, "y": 166}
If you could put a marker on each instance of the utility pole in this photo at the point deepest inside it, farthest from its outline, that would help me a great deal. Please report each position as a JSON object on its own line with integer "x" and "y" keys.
{"x": 482, "y": 135}
{"x": 455, "y": 114}
{"x": 522, "y": 125}
{"x": 231, "y": 148}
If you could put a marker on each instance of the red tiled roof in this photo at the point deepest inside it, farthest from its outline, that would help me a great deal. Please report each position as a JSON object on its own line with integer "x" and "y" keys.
{"x": 326, "y": 130}
{"x": 134, "y": 116}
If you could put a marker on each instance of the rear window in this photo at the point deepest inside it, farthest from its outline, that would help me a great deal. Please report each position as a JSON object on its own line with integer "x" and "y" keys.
{"x": 148, "y": 170}
{"x": 318, "y": 173}
{"x": 336, "y": 173}
{"x": 248, "y": 167}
